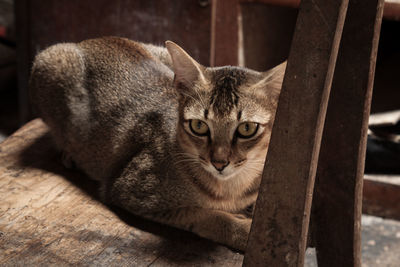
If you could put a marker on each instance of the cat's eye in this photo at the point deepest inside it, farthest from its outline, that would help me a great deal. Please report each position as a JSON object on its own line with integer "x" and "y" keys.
{"x": 198, "y": 127}
{"x": 247, "y": 129}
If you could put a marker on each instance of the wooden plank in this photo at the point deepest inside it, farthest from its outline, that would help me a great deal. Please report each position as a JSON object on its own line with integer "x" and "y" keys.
{"x": 381, "y": 199}
{"x": 224, "y": 33}
{"x": 280, "y": 223}
{"x": 338, "y": 189}
{"x": 51, "y": 216}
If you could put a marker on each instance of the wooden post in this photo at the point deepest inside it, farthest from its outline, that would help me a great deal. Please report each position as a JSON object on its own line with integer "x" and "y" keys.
{"x": 224, "y": 33}
{"x": 338, "y": 189}
{"x": 280, "y": 224}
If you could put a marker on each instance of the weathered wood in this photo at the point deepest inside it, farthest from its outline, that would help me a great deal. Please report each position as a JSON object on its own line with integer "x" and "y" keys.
{"x": 338, "y": 189}
{"x": 226, "y": 44}
{"x": 224, "y": 33}
{"x": 381, "y": 199}
{"x": 50, "y": 216}
{"x": 280, "y": 223}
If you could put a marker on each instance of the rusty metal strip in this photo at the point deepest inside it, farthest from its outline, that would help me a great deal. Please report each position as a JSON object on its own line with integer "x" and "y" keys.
{"x": 280, "y": 223}
{"x": 338, "y": 189}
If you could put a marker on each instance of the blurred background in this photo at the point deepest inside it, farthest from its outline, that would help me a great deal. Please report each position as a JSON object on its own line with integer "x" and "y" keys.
{"x": 261, "y": 35}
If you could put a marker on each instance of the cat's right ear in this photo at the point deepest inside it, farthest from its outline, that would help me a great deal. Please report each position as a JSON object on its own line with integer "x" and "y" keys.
{"x": 187, "y": 71}
{"x": 271, "y": 82}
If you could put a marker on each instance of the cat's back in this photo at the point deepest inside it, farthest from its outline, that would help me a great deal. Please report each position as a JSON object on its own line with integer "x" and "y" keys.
{"x": 99, "y": 94}
{"x": 107, "y": 70}
{"x": 128, "y": 67}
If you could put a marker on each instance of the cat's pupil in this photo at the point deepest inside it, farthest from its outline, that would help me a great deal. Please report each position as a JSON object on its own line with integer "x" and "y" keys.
{"x": 247, "y": 127}
{"x": 199, "y": 123}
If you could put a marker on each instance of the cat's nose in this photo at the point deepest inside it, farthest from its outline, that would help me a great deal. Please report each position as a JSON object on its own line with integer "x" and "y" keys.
{"x": 220, "y": 164}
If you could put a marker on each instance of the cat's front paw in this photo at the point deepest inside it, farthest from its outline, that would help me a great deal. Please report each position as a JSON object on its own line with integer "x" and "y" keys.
{"x": 240, "y": 233}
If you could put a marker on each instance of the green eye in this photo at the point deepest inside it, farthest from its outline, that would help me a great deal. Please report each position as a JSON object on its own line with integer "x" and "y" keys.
{"x": 247, "y": 129}
{"x": 198, "y": 127}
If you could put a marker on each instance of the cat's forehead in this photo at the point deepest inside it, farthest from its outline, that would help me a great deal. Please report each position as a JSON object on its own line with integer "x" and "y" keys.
{"x": 225, "y": 88}
{"x": 227, "y": 97}
{"x": 247, "y": 109}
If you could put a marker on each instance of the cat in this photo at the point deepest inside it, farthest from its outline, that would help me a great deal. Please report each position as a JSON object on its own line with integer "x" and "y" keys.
{"x": 167, "y": 138}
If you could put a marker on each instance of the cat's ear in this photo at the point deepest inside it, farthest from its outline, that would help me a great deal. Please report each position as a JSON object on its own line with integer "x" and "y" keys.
{"x": 272, "y": 80}
{"x": 187, "y": 70}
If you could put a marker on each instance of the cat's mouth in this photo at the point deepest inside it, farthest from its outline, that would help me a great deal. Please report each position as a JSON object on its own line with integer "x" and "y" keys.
{"x": 225, "y": 173}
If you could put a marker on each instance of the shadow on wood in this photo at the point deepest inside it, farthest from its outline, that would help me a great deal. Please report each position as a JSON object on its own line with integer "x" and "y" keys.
{"x": 51, "y": 215}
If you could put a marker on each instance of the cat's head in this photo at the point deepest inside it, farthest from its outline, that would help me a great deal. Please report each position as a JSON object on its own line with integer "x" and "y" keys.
{"x": 225, "y": 114}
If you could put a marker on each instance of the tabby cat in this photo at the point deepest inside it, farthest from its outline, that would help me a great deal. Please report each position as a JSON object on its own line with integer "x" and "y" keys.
{"x": 167, "y": 138}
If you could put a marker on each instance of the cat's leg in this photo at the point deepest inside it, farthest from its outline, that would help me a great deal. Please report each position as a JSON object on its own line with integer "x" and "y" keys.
{"x": 143, "y": 200}
{"x": 142, "y": 192}
{"x": 219, "y": 226}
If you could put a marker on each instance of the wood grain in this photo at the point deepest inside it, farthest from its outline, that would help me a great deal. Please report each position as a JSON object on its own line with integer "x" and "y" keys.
{"x": 280, "y": 224}
{"x": 51, "y": 216}
{"x": 338, "y": 187}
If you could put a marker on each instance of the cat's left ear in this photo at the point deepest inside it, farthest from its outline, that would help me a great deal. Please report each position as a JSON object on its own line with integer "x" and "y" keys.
{"x": 272, "y": 80}
{"x": 187, "y": 70}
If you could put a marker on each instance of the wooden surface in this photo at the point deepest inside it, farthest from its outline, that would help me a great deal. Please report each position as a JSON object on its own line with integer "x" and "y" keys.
{"x": 280, "y": 223}
{"x": 338, "y": 188}
{"x": 50, "y": 216}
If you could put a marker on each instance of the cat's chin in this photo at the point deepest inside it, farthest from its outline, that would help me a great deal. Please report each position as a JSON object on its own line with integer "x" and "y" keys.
{"x": 224, "y": 177}
{"x": 221, "y": 176}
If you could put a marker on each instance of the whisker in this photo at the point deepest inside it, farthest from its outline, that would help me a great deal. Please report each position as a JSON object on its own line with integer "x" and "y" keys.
{"x": 200, "y": 98}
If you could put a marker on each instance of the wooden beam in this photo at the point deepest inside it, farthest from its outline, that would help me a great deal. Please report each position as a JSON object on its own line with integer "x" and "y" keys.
{"x": 381, "y": 199}
{"x": 224, "y": 33}
{"x": 338, "y": 189}
{"x": 280, "y": 224}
